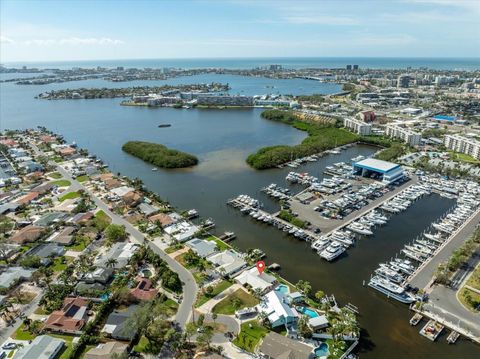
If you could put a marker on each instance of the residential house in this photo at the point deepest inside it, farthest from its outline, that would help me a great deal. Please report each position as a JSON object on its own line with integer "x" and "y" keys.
{"x": 27, "y": 198}
{"x": 277, "y": 346}
{"x": 132, "y": 198}
{"x": 27, "y": 234}
{"x": 41, "y": 347}
{"x": 106, "y": 350}
{"x": 227, "y": 262}
{"x": 81, "y": 218}
{"x": 147, "y": 209}
{"x": 144, "y": 290}
{"x": 202, "y": 247}
{"x": 115, "y": 325}
{"x": 256, "y": 280}
{"x": 50, "y": 218}
{"x": 318, "y": 323}
{"x": 65, "y": 236}
{"x": 121, "y": 252}
{"x": 276, "y": 305}
{"x": 71, "y": 318}
{"x": 182, "y": 231}
{"x": 12, "y": 275}
{"x": 46, "y": 251}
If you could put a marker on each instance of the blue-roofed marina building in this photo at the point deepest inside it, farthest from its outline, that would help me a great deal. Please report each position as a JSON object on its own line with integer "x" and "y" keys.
{"x": 384, "y": 171}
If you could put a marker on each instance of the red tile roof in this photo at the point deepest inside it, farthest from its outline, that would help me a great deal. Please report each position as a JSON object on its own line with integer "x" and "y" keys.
{"x": 144, "y": 290}
{"x": 30, "y": 196}
{"x": 71, "y": 318}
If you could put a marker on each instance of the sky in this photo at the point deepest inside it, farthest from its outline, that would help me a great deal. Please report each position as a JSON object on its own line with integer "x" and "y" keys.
{"x": 71, "y": 30}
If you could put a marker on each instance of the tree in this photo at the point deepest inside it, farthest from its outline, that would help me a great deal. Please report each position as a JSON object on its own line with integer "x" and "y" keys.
{"x": 115, "y": 233}
{"x": 319, "y": 295}
{"x": 303, "y": 327}
{"x": 214, "y": 317}
{"x": 205, "y": 337}
{"x": 111, "y": 262}
{"x": 304, "y": 287}
{"x": 31, "y": 261}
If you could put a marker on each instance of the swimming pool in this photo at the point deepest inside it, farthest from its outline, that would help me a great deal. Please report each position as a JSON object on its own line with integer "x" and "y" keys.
{"x": 309, "y": 312}
{"x": 322, "y": 350}
{"x": 282, "y": 288}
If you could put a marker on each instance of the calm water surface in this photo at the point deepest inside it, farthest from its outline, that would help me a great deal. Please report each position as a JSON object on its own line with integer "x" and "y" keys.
{"x": 222, "y": 139}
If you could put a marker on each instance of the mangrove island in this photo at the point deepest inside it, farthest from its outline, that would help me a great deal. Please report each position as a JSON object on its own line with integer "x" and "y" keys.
{"x": 159, "y": 155}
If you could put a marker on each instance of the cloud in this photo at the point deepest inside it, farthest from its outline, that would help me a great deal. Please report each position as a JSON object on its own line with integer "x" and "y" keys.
{"x": 321, "y": 20}
{"x": 6, "y": 40}
{"x": 469, "y": 5}
{"x": 103, "y": 41}
{"x": 384, "y": 40}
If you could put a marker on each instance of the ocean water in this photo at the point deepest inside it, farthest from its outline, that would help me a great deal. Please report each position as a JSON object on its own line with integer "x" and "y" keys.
{"x": 287, "y": 62}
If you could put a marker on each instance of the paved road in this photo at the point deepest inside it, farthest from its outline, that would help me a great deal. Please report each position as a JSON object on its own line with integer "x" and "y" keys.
{"x": 5, "y": 333}
{"x": 423, "y": 278}
{"x": 190, "y": 287}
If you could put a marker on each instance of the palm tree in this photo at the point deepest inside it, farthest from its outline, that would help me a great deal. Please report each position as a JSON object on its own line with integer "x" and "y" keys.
{"x": 111, "y": 263}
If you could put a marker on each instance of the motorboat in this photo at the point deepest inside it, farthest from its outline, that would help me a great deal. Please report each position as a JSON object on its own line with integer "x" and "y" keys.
{"x": 391, "y": 290}
{"x": 332, "y": 251}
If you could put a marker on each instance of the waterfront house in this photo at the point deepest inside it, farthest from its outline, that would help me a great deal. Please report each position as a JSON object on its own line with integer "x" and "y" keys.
{"x": 182, "y": 231}
{"x": 106, "y": 350}
{"x": 318, "y": 323}
{"x": 41, "y": 347}
{"x": 202, "y": 247}
{"x": 227, "y": 262}
{"x": 27, "y": 234}
{"x": 256, "y": 280}
{"x": 276, "y": 305}
{"x": 132, "y": 198}
{"x": 165, "y": 219}
{"x": 276, "y": 346}
{"x": 71, "y": 318}
{"x": 147, "y": 209}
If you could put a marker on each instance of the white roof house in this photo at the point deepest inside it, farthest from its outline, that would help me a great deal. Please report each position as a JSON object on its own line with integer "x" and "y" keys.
{"x": 202, "y": 247}
{"x": 228, "y": 262}
{"x": 275, "y": 305}
{"x": 182, "y": 231}
{"x": 122, "y": 191}
{"x": 318, "y": 322}
{"x": 42, "y": 347}
{"x": 121, "y": 251}
{"x": 255, "y": 279}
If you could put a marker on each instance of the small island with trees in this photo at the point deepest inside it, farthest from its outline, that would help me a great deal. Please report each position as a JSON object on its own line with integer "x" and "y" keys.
{"x": 159, "y": 155}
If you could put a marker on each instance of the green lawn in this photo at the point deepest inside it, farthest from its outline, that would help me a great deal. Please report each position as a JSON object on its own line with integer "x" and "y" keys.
{"x": 220, "y": 244}
{"x": 174, "y": 248}
{"x": 82, "y": 178}
{"x": 141, "y": 345}
{"x": 199, "y": 277}
{"x": 469, "y": 298}
{"x": 80, "y": 244}
{"x": 58, "y": 266}
{"x": 172, "y": 306}
{"x": 250, "y": 335}
{"x": 40, "y": 310}
{"x": 62, "y": 183}
{"x": 69, "y": 195}
{"x": 55, "y": 175}
{"x": 22, "y": 334}
{"x": 228, "y": 306}
{"x": 219, "y": 288}
{"x": 462, "y": 157}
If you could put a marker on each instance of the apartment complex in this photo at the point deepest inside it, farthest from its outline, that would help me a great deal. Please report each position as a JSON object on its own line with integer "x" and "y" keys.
{"x": 408, "y": 136}
{"x": 357, "y": 126}
{"x": 463, "y": 145}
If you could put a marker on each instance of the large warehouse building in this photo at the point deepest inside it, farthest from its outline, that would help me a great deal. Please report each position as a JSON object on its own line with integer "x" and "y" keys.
{"x": 384, "y": 171}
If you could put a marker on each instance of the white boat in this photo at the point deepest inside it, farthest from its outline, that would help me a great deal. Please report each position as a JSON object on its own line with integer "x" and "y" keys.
{"x": 332, "y": 251}
{"x": 391, "y": 290}
{"x": 437, "y": 237}
{"x": 320, "y": 244}
{"x": 405, "y": 265}
{"x": 359, "y": 228}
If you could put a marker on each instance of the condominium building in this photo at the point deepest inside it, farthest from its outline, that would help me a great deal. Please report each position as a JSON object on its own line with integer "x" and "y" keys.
{"x": 408, "y": 136}
{"x": 463, "y": 145}
{"x": 357, "y": 126}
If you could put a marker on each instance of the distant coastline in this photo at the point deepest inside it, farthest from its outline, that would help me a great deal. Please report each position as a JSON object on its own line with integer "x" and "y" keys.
{"x": 444, "y": 63}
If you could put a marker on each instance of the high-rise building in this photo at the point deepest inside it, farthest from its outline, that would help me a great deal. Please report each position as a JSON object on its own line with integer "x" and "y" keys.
{"x": 355, "y": 67}
{"x": 349, "y": 67}
{"x": 408, "y": 136}
{"x": 358, "y": 126}
{"x": 404, "y": 81}
{"x": 463, "y": 145}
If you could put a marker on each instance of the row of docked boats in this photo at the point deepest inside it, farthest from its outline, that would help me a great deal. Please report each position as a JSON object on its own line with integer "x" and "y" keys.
{"x": 331, "y": 246}
{"x": 390, "y": 278}
{"x": 405, "y": 198}
{"x": 301, "y": 178}
{"x": 250, "y": 206}
{"x": 297, "y": 162}
{"x": 275, "y": 191}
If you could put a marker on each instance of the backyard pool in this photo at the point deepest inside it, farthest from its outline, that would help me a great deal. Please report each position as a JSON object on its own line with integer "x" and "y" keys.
{"x": 322, "y": 351}
{"x": 309, "y": 312}
{"x": 282, "y": 288}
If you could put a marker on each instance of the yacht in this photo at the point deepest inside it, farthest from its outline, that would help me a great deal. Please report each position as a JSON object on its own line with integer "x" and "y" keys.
{"x": 391, "y": 289}
{"x": 405, "y": 265}
{"x": 320, "y": 244}
{"x": 332, "y": 251}
{"x": 359, "y": 228}
{"x": 437, "y": 237}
